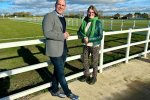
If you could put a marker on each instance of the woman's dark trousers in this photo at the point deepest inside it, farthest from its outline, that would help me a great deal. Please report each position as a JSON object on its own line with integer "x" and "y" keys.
{"x": 94, "y": 59}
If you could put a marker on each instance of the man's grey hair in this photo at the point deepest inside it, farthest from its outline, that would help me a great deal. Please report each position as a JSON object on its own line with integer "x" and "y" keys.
{"x": 57, "y": 1}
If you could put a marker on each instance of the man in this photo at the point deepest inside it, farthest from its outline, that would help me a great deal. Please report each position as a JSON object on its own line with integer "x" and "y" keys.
{"x": 54, "y": 30}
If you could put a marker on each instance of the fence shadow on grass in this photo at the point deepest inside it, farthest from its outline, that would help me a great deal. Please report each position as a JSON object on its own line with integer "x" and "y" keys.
{"x": 29, "y": 58}
{"x": 122, "y": 40}
{"x": 67, "y": 65}
{"x": 41, "y": 49}
{"x": 75, "y": 46}
{"x": 73, "y": 69}
{"x": 4, "y": 85}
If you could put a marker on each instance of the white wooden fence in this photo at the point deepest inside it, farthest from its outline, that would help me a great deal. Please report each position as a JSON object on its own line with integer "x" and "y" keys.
{"x": 78, "y": 22}
{"x": 100, "y": 67}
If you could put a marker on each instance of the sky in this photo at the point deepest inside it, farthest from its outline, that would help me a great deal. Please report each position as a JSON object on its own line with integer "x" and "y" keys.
{"x": 109, "y": 7}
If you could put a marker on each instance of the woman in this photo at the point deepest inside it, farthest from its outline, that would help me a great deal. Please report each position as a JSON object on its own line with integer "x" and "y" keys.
{"x": 91, "y": 32}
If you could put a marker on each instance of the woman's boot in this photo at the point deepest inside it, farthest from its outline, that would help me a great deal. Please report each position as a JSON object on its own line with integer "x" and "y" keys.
{"x": 92, "y": 80}
{"x": 84, "y": 78}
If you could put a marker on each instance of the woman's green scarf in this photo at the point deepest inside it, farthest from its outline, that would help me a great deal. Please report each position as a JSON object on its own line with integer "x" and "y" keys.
{"x": 91, "y": 29}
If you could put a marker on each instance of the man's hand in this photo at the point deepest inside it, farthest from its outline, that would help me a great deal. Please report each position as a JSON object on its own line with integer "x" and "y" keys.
{"x": 66, "y": 35}
{"x": 86, "y": 39}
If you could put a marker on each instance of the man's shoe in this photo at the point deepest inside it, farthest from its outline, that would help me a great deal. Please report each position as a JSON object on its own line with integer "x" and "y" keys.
{"x": 73, "y": 97}
{"x": 84, "y": 78}
{"x": 92, "y": 80}
{"x": 59, "y": 94}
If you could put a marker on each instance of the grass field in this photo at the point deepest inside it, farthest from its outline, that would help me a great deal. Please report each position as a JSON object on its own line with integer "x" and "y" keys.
{"x": 17, "y": 57}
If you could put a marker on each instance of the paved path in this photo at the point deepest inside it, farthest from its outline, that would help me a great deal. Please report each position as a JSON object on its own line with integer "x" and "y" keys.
{"x": 126, "y": 82}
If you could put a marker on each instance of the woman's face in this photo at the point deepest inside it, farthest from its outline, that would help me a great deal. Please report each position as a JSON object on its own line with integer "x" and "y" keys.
{"x": 91, "y": 14}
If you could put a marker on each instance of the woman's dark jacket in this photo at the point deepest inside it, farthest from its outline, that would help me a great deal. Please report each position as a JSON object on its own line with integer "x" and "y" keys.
{"x": 98, "y": 34}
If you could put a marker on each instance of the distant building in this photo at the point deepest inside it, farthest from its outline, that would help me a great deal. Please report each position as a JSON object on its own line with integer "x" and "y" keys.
{"x": 118, "y": 16}
{"x": 144, "y": 15}
{"x": 124, "y": 18}
{"x": 129, "y": 16}
{"x": 137, "y": 16}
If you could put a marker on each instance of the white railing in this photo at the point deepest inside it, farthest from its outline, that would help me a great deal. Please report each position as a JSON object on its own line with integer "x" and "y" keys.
{"x": 78, "y": 22}
{"x": 37, "y": 20}
{"x": 132, "y": 23}
{"x": 45, "y": 64}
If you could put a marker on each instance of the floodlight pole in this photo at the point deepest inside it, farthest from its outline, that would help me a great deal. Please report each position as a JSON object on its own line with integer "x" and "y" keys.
{"x": 2, "y": 9}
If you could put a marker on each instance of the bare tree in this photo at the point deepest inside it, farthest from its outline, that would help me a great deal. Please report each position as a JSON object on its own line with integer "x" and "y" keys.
{"x": 72, "y": 13}
{"x": 66, "y": 13}
{"x": 100, "y": 13}
{"x": 28, "y": 14}
{"x": 81, "y": 13}
{"x": 6, "y": 14}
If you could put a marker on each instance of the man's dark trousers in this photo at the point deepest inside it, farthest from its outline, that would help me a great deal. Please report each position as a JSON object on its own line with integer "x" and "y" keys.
{"x": 59, "y": 74}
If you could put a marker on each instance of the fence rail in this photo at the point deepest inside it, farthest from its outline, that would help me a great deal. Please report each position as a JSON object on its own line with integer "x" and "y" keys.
{"x": 100, "y": 67}
{"x": 78, "y": 22}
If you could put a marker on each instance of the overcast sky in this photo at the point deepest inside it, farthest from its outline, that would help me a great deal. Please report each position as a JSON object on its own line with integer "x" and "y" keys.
{"x": 109, "y": 7}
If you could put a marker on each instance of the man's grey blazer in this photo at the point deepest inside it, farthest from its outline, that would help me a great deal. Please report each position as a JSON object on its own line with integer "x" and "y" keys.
{"x": 53, "y": 32}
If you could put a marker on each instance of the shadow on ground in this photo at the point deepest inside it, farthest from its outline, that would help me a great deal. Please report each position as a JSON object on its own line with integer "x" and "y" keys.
{"x": 137, "y": 91}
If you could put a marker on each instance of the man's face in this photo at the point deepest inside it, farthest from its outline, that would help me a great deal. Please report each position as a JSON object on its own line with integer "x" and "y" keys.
{"x": 60, "y": 6}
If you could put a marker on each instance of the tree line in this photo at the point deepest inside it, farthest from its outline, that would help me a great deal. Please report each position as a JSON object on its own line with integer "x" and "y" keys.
{"x": 66, "y": 14}
{"x": 72, "y": 14}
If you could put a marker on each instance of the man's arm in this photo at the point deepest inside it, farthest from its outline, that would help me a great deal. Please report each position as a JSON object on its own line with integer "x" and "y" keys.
{"x": 48, "y": 30}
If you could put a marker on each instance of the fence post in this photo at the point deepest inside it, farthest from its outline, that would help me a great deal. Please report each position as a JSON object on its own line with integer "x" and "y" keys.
{"x": 133, "y": 24}
{"x": 72, "y": 21}
{"x": 128, "y": 45}
{"x": 149, "y": 24}
{"x": 68, "y": 21}
{"x": 111, "y": 24}
{"x": 77, "y": 22}
{"x": 101, "y": 54}
{"x": 121, "y": 25}
{"x": 147, "y": 42}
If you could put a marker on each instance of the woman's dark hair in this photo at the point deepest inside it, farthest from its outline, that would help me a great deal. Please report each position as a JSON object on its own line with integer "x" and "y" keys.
{"x": 94, "y": 9}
